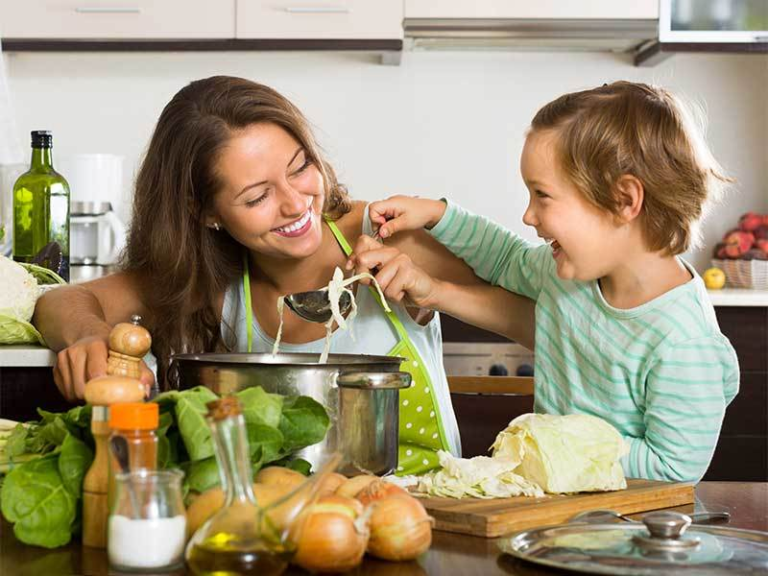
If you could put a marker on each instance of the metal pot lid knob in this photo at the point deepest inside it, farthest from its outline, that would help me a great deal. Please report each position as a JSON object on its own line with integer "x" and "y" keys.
{"x": 666, "y": 530}
{"x": 666, "y": 524}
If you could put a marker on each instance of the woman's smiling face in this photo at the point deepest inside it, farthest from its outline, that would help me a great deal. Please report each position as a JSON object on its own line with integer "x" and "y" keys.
{"x": 272, "y": 195}
{"x": 587, "y": 242}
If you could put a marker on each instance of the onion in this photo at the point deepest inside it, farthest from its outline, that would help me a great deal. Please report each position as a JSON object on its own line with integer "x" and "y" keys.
{"x": 280, "y": 476}
{"x": 378, "y": 490}
{"x": 354, "y": 485}
{"x": 331, "y": 483}
{"x": 334, "y": 535}
{"x": 401, "y": 529}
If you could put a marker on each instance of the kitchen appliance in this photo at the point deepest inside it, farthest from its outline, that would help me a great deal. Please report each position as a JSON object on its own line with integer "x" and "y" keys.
{"x": 97, "y": 233}
{"x": 713, "y": 21}
{"x": 9, "y": 173}
{"x": 665, "y": 542}
{"x": 499, "y": 516}
{"x": 98, "y": 236}
{"x": 487, "y": 359}
{"x": 359, "y": 392}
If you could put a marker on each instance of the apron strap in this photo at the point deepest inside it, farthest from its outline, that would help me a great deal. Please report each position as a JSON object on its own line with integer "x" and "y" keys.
{"x": 248, "y": 305}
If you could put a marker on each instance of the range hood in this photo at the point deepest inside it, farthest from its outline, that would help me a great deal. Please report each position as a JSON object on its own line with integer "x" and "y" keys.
{"x": 529, "y": 34}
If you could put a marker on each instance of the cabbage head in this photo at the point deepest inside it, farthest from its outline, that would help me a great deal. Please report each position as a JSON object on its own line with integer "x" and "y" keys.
{"x": 18, "y": 294}
{"x": 564, "y": 454}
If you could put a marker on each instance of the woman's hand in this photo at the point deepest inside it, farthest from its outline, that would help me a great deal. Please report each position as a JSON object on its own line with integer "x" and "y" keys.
{"x": 405, "y": 213}
{"x": 84, "y": 360}
{"x": 397, "y": 275}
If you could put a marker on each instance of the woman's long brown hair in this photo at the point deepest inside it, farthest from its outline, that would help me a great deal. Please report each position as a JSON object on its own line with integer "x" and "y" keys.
{"x": 183, "y": 266}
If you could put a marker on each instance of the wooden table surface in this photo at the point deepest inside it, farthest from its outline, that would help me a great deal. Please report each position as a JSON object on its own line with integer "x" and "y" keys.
{"x": 452, "y": 554}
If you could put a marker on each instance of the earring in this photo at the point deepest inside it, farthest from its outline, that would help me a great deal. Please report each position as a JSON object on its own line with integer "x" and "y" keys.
{"x": 216, "y": 226}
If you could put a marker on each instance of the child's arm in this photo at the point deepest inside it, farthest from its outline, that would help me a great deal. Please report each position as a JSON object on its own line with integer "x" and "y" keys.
{"x": 687, "y": 390}
{"x": 477, "y": 303}
{"x": 494, "y": 253}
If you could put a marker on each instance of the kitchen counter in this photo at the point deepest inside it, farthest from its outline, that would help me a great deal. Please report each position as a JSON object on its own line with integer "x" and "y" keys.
{"x": 738, "y": 297}
{"x": 452, "y": 554}
{"x": 27, "y": 355}
{"x": 38, "y": 356}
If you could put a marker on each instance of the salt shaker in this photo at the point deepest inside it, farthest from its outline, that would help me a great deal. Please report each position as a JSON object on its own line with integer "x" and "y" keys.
{"x": 147, "y": 522}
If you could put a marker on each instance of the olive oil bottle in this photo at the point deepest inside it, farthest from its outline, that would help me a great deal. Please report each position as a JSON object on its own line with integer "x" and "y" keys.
{"x": 41, "y": 211}
{"x": 241, "y": 538}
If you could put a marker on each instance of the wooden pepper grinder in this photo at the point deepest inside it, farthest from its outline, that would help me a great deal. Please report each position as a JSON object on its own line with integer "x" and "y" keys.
{"x": 128, "y": 343}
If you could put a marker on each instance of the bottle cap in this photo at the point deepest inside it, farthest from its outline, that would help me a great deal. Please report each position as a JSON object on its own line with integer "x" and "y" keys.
{"x": 42, "y": 139}
{"x": 134, "y": 416}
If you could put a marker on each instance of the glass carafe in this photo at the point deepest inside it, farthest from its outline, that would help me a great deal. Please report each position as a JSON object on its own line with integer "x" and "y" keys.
{"x": 243, "y": 537}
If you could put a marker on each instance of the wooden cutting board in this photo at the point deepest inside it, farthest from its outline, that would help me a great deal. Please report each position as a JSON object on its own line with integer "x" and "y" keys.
{"x": 496, "y": 517}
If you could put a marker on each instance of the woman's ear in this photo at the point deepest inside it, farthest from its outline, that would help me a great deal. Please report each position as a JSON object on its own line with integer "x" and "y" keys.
{"x": 212, "y": 221}
{"x": 630, "y": 194}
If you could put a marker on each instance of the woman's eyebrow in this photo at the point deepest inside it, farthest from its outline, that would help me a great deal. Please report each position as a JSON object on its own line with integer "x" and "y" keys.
{"x": 298, "y": 151}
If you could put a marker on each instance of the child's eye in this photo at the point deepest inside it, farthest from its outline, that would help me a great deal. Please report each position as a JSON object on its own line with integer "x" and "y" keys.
{"x": 256, "y": 201}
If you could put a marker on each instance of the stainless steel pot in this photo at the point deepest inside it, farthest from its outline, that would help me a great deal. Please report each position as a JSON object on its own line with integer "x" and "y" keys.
{"x": 359, "y": 392}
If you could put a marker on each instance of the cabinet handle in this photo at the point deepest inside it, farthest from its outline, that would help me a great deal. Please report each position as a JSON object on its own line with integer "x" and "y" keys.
{"x": 317, "y": 10}
{"x": 107, "y": 10}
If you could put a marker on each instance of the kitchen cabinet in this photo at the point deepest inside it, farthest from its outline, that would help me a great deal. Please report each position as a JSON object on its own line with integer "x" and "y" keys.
{"x": 117, "y": 19}
{"x": 542, "y": 9}
{"x": 319, "y": 19}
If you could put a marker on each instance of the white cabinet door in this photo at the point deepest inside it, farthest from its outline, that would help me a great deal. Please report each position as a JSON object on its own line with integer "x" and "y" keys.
{"x": 535, "y": 9}
{"x": 117, "y": 19}
{"x": 320, "y": 19}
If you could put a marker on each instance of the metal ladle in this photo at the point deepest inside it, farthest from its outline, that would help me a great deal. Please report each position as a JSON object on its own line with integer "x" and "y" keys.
{"x": 314, "y": 305}
{"x": 607, "y": 516}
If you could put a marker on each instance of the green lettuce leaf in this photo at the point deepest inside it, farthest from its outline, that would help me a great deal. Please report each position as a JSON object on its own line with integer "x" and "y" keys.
{"x": 38, "y": 504}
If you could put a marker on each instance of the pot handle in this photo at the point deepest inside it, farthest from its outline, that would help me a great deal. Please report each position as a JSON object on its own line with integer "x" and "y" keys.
{"x": 374, "y": 380}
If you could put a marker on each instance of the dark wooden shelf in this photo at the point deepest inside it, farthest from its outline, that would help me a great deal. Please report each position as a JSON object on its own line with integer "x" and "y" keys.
{"x": 197, "y": 45}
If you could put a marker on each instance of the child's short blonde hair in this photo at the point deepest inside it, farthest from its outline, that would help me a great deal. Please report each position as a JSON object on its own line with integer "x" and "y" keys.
{"x": 641, "y": 130}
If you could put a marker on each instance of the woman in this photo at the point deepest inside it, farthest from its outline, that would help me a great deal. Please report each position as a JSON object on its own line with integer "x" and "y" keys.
{"x": 234, "y": 203}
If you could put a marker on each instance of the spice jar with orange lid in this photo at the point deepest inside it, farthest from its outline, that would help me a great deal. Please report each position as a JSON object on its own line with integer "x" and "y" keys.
{"x": 137, "y": 422}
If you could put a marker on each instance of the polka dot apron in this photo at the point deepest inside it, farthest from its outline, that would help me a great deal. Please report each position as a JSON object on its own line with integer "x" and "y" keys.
{"x": 421, "y": 432}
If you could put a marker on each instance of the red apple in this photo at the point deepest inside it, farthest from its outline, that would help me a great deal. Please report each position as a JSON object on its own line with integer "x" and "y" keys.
{"x": 750, "y": 221}
{"x": 738, "y": 242}
{"x": 761, "y": 232}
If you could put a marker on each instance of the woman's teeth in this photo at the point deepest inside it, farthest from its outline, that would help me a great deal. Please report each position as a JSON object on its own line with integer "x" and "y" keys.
{"x": 296, "y": 225}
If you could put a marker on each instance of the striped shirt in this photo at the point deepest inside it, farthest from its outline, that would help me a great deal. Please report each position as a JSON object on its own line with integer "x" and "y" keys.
{"x": 661, "y": 373}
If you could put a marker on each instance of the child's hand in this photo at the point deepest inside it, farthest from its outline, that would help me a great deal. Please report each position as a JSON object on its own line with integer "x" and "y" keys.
{"x": 405, "y": 213}
{"x": 397, "y": 275}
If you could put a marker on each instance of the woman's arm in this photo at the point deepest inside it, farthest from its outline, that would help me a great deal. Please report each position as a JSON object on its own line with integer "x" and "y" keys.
{"x": 75, "y": 322}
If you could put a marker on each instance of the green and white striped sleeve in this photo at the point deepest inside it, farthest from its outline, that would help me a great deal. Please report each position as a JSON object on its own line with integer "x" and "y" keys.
{"x": 687, "y": 391}
{"x": 496, "y": 255}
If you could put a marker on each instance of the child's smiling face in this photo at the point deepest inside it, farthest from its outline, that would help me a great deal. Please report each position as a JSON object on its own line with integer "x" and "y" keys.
{"x": 587, "y": 242}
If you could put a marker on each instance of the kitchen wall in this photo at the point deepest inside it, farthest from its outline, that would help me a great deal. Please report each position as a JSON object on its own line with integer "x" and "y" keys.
{"x": 440, "y": 124}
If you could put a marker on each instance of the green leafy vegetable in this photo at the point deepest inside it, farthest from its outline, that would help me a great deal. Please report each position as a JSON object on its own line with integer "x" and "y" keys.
{"x": 36, "y": 501}
{"x": 260, "y": 407}
{"x": 74, "y": 460}
{"x": 304, "y": 422}
{"x": 48, "y": 459}
{"x": 202, "y": 474}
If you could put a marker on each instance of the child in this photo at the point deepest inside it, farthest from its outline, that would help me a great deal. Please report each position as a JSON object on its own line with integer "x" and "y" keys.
{"x": 618, "y": 178}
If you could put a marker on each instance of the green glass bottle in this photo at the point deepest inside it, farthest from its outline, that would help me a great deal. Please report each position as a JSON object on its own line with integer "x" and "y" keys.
{"x": 41, "y": 211}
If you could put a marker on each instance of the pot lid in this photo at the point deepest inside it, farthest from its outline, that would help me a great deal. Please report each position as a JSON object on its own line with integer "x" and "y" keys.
{"x": 664, "y": 543}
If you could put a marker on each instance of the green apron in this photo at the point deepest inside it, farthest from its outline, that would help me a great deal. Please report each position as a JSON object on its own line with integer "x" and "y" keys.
{"x": 421, "y": 429}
